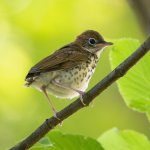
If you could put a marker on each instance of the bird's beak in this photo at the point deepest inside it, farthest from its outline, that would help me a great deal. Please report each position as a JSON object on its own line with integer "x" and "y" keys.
{"x": 107, "y": 43}
{"x": 104, "y": 44}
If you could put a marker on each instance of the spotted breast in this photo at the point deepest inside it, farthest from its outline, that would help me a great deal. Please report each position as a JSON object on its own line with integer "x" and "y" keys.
{"x": 74, "y": 78}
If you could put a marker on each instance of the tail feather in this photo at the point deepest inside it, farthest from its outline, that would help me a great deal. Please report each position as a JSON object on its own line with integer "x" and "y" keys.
{"x": 27, "y": 84}
{"x": 29, "y": 81}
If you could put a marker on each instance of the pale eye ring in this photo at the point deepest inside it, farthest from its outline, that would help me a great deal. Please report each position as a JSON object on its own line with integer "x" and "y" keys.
{"x": 92, "y": 41}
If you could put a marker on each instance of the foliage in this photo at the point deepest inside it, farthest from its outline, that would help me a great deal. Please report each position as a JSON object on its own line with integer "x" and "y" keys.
{"x": 58, "y": 141}
{"x": 135, "y": 85}
{"x": 124, "y": 140}
{"x": 110, "y": 140}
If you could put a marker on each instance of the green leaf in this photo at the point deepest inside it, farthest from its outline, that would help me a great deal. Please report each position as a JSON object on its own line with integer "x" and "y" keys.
{"x": 59, "y": 141}
{"x": 135, "y": 85}
{"x": 124, "y": 140}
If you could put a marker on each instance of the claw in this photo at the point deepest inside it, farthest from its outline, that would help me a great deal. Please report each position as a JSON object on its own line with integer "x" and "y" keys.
{"x": 55, "y": 116}
{"x": 81, "y": 99}
{"x": 81, "y": 96}
{"x": 81, "y": 93}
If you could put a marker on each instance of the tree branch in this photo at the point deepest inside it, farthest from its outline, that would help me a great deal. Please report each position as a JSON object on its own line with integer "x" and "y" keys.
{"x": 118, "y": 72}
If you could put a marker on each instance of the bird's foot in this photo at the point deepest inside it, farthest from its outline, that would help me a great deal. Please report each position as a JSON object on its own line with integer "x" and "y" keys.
{"x": 55, "y": 116}
{"x": 81, "y": 93}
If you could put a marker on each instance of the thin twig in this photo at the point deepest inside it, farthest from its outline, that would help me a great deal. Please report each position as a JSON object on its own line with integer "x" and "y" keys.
{"x": 118, "y": 72}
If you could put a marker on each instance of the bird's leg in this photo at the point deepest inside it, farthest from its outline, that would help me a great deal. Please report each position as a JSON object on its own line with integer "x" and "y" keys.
{"x": 50, "y": 102}
{"x": 81, "y": 93}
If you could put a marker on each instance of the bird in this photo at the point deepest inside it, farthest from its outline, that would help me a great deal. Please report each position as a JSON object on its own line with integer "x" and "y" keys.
{"x": 66, "y": 73}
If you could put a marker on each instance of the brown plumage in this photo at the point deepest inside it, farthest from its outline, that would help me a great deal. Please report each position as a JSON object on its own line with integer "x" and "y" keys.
{"x": 67, "y": 72}
{"x": 64, "y": 58}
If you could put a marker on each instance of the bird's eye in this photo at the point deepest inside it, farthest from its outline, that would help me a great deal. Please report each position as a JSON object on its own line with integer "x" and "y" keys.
{"x": 92, "y": 41}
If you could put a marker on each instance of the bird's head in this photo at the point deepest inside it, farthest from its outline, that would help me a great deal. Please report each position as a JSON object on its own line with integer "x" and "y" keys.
{"x": 92, "y": 41}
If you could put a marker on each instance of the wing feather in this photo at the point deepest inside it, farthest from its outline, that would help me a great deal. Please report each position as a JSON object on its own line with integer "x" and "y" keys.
{"x": 64, "y": 58}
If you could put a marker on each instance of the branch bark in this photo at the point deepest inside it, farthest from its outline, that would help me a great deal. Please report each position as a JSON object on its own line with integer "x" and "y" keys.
{"x": 118, "y": 72}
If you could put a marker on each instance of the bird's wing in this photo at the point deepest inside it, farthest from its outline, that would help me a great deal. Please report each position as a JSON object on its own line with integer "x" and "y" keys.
{"x": 64, "y": 58}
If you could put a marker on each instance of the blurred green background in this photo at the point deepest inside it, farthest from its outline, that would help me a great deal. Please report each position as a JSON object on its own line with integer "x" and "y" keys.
{"x": 33, "y": 29}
